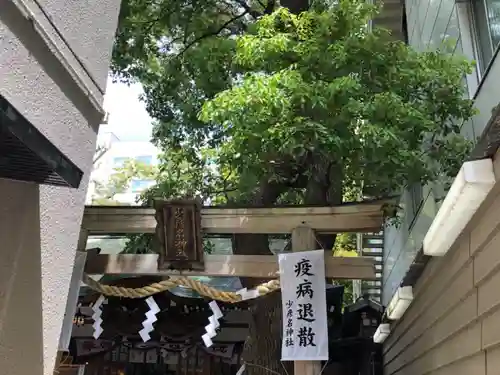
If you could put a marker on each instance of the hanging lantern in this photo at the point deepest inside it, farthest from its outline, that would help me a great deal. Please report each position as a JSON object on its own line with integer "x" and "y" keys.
{"x": 79, "y": 319}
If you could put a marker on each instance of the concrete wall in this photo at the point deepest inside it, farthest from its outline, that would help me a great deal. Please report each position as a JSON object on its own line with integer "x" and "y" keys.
{"x": 88, "y": 26}
{"x": 453, "y": 325}
{"x": 53, "y": 67}
{"x": 21, "y": 320}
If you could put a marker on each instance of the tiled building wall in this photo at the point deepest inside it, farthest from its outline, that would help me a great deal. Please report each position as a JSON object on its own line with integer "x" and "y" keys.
{"x": 453, "y": 325}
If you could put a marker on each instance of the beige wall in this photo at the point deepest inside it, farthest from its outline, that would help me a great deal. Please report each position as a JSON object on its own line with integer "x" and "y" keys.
{"x": 453, "y": 325}
{"x": 21, "y": 318}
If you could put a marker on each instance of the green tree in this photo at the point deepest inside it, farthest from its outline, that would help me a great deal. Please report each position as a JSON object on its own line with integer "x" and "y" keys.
{"x": 345, "y": 246}
{"x": 327, "y": 108}
{"x": 120, "y": 180}
{"x": 259, "y": 104}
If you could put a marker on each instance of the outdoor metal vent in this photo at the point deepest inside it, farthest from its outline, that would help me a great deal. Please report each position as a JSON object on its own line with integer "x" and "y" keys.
{"x": 26, "y": 155}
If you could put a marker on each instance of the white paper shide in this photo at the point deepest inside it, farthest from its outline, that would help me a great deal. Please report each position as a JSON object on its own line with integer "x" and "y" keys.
{"x": 303, "y": 289}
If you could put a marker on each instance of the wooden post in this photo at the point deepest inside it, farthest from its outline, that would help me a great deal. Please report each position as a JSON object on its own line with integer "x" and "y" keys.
{"x": 58, "y": 359}
{"x": 82, "y": 240}
{"x": 303, "y": 239}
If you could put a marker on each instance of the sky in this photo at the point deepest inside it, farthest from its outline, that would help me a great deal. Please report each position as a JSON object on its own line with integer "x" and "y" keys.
{"x": 128, "y": 118}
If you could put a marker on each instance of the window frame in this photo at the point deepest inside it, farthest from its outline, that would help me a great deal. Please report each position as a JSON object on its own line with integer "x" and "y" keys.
{"x": 480, "y": 21}
{"x": 140, "y": 189}
{"x": 119, "y": 161}
{"x": 148, "y": 157}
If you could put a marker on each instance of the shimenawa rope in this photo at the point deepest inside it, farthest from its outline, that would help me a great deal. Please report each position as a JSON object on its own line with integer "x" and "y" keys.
{"x": 164, "y": 285}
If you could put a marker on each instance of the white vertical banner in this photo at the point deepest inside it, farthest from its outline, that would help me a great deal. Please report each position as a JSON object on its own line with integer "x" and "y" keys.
{"x": 303, "y": 293}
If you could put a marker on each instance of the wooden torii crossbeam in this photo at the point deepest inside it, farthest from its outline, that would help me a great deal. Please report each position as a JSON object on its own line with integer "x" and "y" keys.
{"x": 257, "y": 266}
{"x": 359, "y": 217}
{"x": 301, "y": 222}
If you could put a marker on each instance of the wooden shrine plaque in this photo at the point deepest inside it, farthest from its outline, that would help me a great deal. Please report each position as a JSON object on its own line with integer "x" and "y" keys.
{"x": 179, "y": 234}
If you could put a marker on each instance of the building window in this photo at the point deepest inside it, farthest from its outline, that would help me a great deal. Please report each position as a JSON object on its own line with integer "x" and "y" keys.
{"x": 416, "y": 193}
{"x": 494, "y": 20}
{"x": 144, "y": 159}
{"x": 487, "y": 20}
{"x": 119, "y": 162}
{"x": 138, "y": 186}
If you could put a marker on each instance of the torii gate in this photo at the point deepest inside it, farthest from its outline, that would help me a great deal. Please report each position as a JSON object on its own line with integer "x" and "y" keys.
{"x": 301, "y": 222}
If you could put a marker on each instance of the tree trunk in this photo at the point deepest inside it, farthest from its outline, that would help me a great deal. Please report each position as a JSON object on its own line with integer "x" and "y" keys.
{"x": 325, "y": 189}
{"x": 262, "y": 349}
{"x": 257, "y": 244}
{"x": 296, "y": 6}
{"x": 263, "y": 345}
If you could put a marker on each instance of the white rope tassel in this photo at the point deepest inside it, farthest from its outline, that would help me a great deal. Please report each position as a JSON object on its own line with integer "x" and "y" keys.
{"x": 213, "y": 324}
{"x": 97, "y": 316}
{"x": 150, "y": 319}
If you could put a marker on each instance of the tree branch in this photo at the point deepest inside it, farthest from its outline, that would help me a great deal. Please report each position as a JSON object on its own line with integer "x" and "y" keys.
{"x": 99, "y": 154}
{"x": 296, "y": 6}
{"x": 271, "y": 4}
{"x": 248, "y": 9}
{"x": 213, "y": 33}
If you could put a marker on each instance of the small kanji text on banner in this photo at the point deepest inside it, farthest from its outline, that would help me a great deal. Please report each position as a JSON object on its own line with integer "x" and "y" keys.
{"x": 303, "y": 289}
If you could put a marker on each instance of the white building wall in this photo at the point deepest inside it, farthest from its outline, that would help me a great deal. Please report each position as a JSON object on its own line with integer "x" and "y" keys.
{"x": 40, "y": 75}
{"x": 106, "y": 165}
